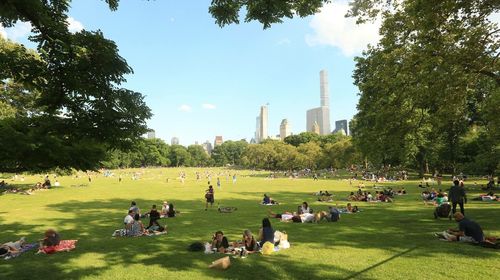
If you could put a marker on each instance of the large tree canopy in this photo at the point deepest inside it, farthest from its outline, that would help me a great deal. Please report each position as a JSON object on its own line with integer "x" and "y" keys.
{"x": 429, "y": 82}
{"x": 61, "y": 105}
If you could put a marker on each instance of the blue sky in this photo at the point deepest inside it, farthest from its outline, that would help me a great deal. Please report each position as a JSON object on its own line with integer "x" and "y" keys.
{"x": 201, "y": 80}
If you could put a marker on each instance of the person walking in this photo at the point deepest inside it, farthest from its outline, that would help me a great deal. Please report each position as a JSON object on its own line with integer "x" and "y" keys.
{"x": 457, "y": 196}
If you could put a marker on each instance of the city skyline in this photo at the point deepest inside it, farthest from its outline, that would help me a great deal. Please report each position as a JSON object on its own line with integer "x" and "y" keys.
{"x": 196, "y": 93}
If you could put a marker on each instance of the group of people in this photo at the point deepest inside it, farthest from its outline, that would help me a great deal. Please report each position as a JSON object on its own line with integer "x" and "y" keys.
{"x": 249, "y": 243}
{"x": 379, "y": 196}
{"x": 324, "y": 196}
{"x": 133, "y": 225}
{"x": 50, "y": 243}
{"x": 305, "y": 214}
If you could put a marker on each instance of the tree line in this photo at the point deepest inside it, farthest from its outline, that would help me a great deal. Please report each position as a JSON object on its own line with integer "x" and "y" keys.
{"x": 305, "y": 150}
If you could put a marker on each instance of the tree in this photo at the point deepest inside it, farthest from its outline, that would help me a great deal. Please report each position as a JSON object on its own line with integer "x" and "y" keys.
{"x": 179, "y": 156}
{"x": 264, "y": 11}
{"x": 62, "y": 105}
{"x": 198, "y": 156}
{"x": 427, "y": 81}
{"x": 312, "y": 155}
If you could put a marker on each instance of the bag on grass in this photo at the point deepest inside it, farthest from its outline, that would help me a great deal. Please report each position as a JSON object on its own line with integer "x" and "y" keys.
{"x": 196, "y": 247}
{"x": 222, "y": 263}
{"x": 267, "y": 248}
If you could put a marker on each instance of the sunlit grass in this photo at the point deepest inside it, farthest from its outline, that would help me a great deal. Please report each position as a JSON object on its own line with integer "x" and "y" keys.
{"x": 384, "y": 241}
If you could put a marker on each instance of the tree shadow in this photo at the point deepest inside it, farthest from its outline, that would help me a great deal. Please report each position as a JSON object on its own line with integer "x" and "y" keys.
{"x": 395, "y": 228}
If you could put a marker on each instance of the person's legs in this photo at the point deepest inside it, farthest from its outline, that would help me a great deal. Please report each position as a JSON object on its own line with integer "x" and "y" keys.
{"x": 453, "y": 207}
{"x": 461, "y": 204}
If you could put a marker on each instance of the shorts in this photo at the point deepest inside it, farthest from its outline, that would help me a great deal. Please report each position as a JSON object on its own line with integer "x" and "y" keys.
{"x": 210, "y": 199}
{"x": 467, "y": 239}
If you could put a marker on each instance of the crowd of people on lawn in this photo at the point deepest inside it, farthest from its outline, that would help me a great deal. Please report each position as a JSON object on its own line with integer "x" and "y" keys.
{"x": 268, "y": 239}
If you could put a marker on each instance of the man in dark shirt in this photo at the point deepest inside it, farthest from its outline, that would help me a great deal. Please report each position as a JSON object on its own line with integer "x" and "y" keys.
{"x": 468, "y": 231}
{"x": 457, "y": 196}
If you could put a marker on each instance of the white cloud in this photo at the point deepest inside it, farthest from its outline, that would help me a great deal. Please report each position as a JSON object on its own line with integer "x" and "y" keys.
{"x": 185, "y": 108}
{"x": 20, "y": 30}
{"x": 208, "y": 106}
{"x": 332, "y": 28}
{"x": 74, "y": 25}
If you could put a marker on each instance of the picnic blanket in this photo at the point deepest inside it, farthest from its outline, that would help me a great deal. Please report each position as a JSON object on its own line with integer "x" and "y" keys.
{"x": 24, "y": 248}
{"x": 64, "y": 246}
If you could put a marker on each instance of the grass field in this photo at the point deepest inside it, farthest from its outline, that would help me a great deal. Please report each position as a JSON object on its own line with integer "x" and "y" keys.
{"x": 385, "y": 241}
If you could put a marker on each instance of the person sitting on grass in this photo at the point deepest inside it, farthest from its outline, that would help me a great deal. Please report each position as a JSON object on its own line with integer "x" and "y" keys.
{"x": 51, "y": 238}
{"x": 155, "y": 228}
{"x": 219, "y": 242}
{"x": 351, "y": 209}
{"x": 266, "y": 232}
{"x": 129, "y": 218}
{"x": 440, "y": 200}
{"x": 468, "y": 231}
{"x": 352, "y": 197}
{"x": 133, "y": 207}
{"x": 268, "y": 200}
{"x": 171, "y": 211}
{"x": 164, "y": 209}
{"x": 248, "y": 243}
{"x": 154, "y": 215}
{"x": 136, "y": 228}
{"x": 304, "y": 208}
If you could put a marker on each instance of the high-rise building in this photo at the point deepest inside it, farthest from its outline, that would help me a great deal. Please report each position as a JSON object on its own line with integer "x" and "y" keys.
{"x": 285, "y": 129}
{"x": 218, "y": 141}
{"x": 174, "y": 141}
{"x": 263, "y": 133}
{"x": 315, "y": 128}
{"x": 257, "y": 130}
{"x": 151, "y": 134}
{"x": 341, "y": 126}
{"x": 207, "y": 146}
{"x": 321, "y": 115}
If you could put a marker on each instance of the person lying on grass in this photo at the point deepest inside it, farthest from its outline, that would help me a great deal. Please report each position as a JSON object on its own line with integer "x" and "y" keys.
{"x": 11, "y": 248}
{"x": 294, "y": 217}
{"x": 268, "y": 200}
{"x": 219, "y": 242}
{"x": 490, "y": 196}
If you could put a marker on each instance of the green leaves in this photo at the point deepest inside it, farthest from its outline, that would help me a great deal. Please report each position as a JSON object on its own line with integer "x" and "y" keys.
{"x": 267, "y": 12}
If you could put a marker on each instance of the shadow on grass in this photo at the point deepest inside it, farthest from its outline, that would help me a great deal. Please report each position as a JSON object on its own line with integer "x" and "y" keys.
{"x": 394, "y": 228}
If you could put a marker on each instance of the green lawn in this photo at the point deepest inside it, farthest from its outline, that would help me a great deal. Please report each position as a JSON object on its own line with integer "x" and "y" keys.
{"x": 384, "y": 241}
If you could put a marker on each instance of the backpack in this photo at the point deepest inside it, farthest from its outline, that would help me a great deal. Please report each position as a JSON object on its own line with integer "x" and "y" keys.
{"x": 196, "y": 247}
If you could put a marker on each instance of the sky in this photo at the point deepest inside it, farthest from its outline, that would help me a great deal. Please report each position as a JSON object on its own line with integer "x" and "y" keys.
{"x": 201, "y": 80}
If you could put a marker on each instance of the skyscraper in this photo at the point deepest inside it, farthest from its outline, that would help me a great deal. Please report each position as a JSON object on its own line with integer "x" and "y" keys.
{"x": 218, "y": 141}
{"x": 174, "y": 141}
{"x": 263, "y": 133}
{"x": 207, "y": 146}
{"x": 257, "y": 130}
{"x": 285, "y": 129}
{"x": 321, "y": 115}
{"x": 315, "y": 127}
{"x": 341, "y": 125}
